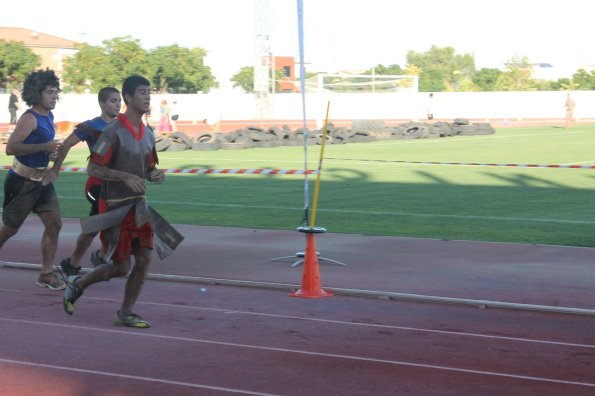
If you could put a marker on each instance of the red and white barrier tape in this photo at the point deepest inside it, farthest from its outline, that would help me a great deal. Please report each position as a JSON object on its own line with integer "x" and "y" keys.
{"x": 211, "y": 170}
{"x": 472, "y": 163}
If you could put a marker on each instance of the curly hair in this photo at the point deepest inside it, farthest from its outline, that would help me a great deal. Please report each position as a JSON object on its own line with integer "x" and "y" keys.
{"x": 36, "y": 82}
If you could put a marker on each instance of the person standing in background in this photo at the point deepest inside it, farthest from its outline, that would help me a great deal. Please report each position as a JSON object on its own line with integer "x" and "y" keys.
{"x": 174, "y": 115}
{"x": 13, "y": 106}
{"x": 570, "y": 105}
{"x": 164, "y": 124}
{"x": 430, "y": 107}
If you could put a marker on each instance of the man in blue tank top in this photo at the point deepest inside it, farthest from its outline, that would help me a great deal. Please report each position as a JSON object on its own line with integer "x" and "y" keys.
{"x": 31, "y": 143}
{"x": 89, "y": 131}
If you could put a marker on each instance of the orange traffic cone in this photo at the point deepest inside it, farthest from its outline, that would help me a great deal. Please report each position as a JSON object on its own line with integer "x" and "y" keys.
{"x": 311, "y": 277}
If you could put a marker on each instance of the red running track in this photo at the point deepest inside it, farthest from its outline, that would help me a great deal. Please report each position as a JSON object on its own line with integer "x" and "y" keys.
{"x": 225, "y": 341}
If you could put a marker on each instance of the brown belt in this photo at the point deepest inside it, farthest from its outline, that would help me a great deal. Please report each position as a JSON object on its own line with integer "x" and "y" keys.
{"x": 35, "y": 174}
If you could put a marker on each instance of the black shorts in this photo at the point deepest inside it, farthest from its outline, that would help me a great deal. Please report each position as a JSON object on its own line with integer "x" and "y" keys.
{"x": 92, "y": 195}
{"x": 23, "y": 196}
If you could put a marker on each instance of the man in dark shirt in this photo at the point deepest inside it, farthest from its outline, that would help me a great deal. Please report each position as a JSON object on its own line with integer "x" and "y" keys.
{"x": 13, "y": 106}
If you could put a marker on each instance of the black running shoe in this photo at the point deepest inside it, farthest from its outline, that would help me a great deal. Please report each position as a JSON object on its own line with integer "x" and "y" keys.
{"x": 68, "y": 269}
{"x": 96, "y": 258}
{"x": 71, "y": 294}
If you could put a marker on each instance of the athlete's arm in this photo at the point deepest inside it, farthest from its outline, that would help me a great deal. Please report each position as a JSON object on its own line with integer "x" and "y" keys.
{"x": 27, "y": 124}
{"x": 103, "y": 172}
{"x": 52, "y": 174}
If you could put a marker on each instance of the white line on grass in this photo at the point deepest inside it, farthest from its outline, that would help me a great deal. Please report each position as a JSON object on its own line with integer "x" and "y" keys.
{"x": 364, "y": 212}
{"x": 383, "y": 213}
{"x": 465, "y": 139}
{"x": 297, "y": 352}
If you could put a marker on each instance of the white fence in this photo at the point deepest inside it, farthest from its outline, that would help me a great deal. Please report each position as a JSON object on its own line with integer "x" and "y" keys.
{"x": 401, "y": 106}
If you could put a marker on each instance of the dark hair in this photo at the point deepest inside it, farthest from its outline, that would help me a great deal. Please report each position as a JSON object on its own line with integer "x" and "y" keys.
{"x": 131, "y": 83}
{"x": 104, "y": 93}
{"x": 36, "y": 82}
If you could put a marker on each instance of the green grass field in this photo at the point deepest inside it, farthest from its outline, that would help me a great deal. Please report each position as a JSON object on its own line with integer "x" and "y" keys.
{"x": 360, "y": 194}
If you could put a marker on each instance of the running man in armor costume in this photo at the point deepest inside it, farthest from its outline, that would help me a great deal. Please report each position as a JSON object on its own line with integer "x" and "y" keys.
{"x": 123, "y": 158}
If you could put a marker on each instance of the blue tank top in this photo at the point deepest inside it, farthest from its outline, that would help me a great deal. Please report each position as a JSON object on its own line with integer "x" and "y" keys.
{"x": 96, "y": 123}
{"x": 43, "y": 134}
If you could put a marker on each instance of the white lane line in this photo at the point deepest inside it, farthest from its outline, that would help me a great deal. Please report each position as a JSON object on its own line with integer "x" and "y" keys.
{"x": 373, "y": 325}
{"x": 309, "y": 353}
{"x": 384, "y": 213}
{"x": 134, "y": 377}
{"x": 340, "y": 322}
{"x": 365, "y": 212}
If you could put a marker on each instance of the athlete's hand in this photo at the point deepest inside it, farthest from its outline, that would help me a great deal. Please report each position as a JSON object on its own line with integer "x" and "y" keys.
{"x": 135, "y": 183}
{"x": 157, "y": 176}
{"x": 49, "y": 177}
{"x": 53, "y": 146}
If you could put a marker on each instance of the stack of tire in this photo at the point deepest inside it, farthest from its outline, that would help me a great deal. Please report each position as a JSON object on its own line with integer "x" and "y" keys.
{"x": 177, "y": 141}
{"x": 361, "y": 131}
{"x": 422, "y": 130}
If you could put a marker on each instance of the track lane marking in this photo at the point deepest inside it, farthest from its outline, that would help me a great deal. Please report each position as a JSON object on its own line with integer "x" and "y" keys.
{"x": 340, "y": 322}
{"x": 133, "y": 377}
{"x": 310, "y": 353}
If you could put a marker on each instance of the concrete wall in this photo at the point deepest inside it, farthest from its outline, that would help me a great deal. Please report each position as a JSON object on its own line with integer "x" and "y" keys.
{"x": 401, "y": 106}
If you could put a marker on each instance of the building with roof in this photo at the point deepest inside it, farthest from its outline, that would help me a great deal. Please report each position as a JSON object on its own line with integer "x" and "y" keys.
{"x": 51, "y": 49}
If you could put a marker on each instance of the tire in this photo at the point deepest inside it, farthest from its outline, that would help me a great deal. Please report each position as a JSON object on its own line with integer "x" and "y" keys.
{"x": 235, "y": 146}
{"x": 205, "y": 137}
{"x": 279, "y": 133}
{"x": 268, "y": 143}
{"x": 162, "y": 142}
{"x": 465, "y": 130}
{"x": 416, "y": 132}
{"x": 182, "y": 136}
{"x": 177, "y": 145}
{"x": 293, "y": 142}
{"x": 200, "y": 146}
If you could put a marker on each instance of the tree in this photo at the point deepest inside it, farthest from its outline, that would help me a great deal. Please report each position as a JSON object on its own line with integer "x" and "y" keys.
{"x": 244, "y": 79}
{"x": 177, "y": 69}
{"x": 487, "y": 78}
{"x": 583, "y": 80}
{"x": 88, "y": 70}
{"x": 95, "y": 67}
{"x": 517, "y": 76}
{"x": 170, "y": 68}
{"x": 438, "y": 67}
{"x": 384, "y": 70}
{"x": 16, "y": 62}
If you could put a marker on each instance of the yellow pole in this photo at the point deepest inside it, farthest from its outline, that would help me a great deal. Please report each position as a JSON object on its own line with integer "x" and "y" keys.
{"x": 317, "y": 186}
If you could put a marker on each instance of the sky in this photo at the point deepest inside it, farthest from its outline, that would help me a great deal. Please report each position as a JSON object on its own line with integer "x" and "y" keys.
{"x": 338, "y": 34}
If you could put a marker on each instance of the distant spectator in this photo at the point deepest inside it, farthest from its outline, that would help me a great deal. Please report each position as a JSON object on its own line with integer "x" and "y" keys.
{"x": 430, "y": 107}
{"x": 164, "y": 124}
{"x": 174, "y": 115}
{"x": 14, "y": 106}
{"x": 570, "y": 105}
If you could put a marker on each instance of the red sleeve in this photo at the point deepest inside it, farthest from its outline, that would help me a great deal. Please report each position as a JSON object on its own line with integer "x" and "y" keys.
{"x": 102, "y": 159}
{"x": 153, "y": 160}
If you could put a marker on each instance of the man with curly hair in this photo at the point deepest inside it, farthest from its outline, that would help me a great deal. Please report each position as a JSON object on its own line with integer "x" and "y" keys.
{"x": 28, "y": 185}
